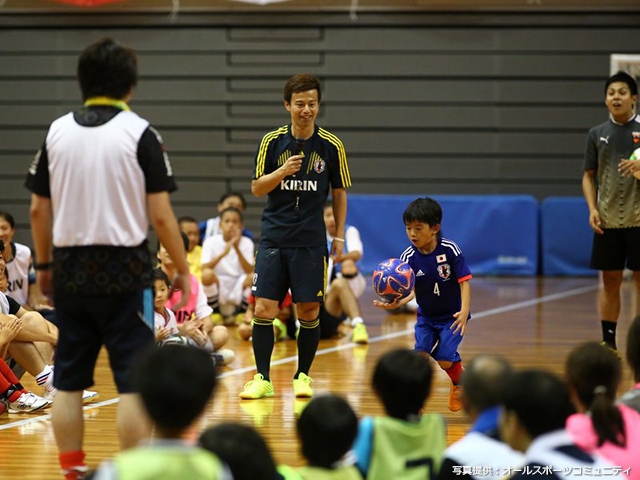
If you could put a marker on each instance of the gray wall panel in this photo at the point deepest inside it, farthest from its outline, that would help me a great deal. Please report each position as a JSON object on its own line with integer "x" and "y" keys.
{"x": 493, "y": 106}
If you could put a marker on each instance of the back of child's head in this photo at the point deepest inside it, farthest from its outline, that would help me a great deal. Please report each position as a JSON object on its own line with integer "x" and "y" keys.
{"x": 326, "y": 428}
{"x": 405, "y": 371}
{"x": 423, "y": 210}
{"x": 175, "y": 383}
{"x": 225, "y": 200}
{"x": 594, "y": 372}
{"x": 633, "y": 348}
{"x": 485, "y": 380}
{"x": 159, "y": 275}
{"x": 242, "y": 448}
{"x": 540, "y": 400}
{"x": 622, "y": 77}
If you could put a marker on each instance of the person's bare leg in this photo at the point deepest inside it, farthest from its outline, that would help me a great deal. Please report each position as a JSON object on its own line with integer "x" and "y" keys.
{"x": 132, "y": 421}
{"x": 46, "y": 351}
{"x": 27, "y": 356}
{"x": 609, "y": 300}
{"x": 35, "y": 328}
{"x": 67, "y": 421}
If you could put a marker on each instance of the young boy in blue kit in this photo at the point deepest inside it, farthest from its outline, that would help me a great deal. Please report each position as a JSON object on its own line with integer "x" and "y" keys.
{"x": 442, "y": 291}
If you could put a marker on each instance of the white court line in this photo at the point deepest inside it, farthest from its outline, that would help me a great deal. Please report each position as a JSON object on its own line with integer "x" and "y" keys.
{"x": 324, "y": 351}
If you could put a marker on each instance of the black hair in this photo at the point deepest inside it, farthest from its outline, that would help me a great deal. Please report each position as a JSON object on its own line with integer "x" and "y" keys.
{"x": 594, "y": 373}
{"x": 485, "y": 379}
{"x": 633, "y": 347}
{"x": 185, "y": 241}
{"x": 1, "y": 246}
{"x": 539, "y": 399}
{"x": 158, "y": 274}
{"x": 622, "y": 77}
{"x": 242, "y": 448}
{"x": 233, "y": 194}
{"x": 423, "y": 210}
{"x": 232, "y": 209}
{"x": 106, "y": 68}
{"x": 302, "y": 82}
{"x": 326, "y": 428}
{"x": 405, "y": 371}
{"x": 9, "y": 218}
{"x": 187, "y": 219}
{"x": 175, "y": 383}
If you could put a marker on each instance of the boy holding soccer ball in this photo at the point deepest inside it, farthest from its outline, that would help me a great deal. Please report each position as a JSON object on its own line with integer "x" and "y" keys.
{"x": 441, "y": 289}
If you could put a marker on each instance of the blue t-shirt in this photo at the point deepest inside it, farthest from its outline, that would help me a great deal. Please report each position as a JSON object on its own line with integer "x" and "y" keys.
{"x": 438, "y": 277}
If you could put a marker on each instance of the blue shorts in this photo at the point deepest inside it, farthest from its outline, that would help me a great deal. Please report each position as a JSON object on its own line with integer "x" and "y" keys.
{"x": 438, "y": 335}
{"x": 301, "y": 269}
{"x": 123, "y": 323}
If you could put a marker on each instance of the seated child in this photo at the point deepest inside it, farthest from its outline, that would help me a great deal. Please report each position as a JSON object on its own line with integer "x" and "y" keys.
{"x": 326, "y": 429}
{"x": 175, "y": 414}
{"x": 227, "y": 264}
{"x": 211, "y": 226}
{"x": 189, "y": 226}
{"x": 243, "y": 449}
{"x": 406, "y": 443}
{"x": 193, "y": 318}
{"x": 632, "y": 397}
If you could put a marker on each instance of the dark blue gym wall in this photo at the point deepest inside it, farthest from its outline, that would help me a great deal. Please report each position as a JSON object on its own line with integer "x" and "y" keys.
{"x": 425, "y": 103}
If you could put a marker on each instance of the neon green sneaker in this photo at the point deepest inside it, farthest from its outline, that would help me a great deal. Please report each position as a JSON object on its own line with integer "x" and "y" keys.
{"x": 257, "y": 388}
{"x": 302, "y": 386}
{"x": 360, "y": 334}
{"x": 281, "y": 329}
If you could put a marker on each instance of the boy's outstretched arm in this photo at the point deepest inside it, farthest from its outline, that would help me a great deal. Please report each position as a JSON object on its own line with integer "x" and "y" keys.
{"x": 460, "y": 324}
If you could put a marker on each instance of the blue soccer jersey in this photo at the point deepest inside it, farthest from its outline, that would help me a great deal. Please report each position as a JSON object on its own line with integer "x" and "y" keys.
{"x": 438, "y": 275}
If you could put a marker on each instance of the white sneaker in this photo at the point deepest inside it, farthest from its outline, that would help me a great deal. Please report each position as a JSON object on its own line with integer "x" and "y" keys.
{"x": 223, "y": 357}
{"x": 87, "y": 395}
{"x": 28, "y": 403}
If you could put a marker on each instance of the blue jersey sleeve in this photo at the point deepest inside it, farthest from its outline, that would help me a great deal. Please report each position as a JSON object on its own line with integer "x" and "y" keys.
{"x": 363, "y": 444}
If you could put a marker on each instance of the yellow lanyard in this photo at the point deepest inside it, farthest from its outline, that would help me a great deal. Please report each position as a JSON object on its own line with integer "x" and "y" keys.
{"x": 106, "y": 102}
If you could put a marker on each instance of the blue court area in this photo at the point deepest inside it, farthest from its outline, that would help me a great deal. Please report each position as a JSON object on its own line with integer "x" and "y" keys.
{"x": 498, "y": 234}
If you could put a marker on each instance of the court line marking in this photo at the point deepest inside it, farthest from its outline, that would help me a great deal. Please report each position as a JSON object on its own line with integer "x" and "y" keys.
{"x": 324, "y": 351}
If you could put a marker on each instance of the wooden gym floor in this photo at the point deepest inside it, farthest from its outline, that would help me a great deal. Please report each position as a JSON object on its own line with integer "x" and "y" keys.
{"x": 532, "y": 321}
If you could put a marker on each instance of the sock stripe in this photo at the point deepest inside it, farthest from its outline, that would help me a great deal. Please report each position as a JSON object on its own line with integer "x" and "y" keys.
{"x": 265, "y": 322}
{"x": 309, "y": 324}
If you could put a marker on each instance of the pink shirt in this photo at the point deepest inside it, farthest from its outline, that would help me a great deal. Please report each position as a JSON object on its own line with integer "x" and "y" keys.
{"x": 581, "y": 431}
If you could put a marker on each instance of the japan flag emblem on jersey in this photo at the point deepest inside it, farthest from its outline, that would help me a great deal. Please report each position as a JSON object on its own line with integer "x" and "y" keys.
{"x": 441, "y": 258}
{"x": 444, "y": 271}
{"x": 319, "y": 165}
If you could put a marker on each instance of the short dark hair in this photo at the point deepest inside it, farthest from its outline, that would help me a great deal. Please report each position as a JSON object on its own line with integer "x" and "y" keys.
{"x": 622, "y": 77}
{"x": 106, "y": 68}
{"x": 232, "y": 209}
{"x": 233, "y": 194}
{"x": 539, "y": 399}
{"x": 9, "y": 218}
{"x": 242, "y": 448}
{"x": 302, "y": 82}
{"x": 485, "y": 379}
{"x": 423, "y": 210}
{"x": 175, "y": 383}
{"x": 594, "y": 373}
{"x": 187, "y": 219}
{"x": 633, "y": 347}
{"x": 326, "y": 428}
{"x": 1, "y": 246}
{"x": 405, "y": 371}
{"x": 158, "y": 274}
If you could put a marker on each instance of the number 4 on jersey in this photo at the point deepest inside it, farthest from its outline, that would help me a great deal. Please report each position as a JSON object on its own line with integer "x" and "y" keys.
{"x": 436, "y": 289}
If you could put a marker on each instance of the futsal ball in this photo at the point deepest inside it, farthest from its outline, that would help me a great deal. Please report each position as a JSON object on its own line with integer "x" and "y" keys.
{"x": 393, "y": 279}
{"x": 635, "y": 155}
{"x": 174, "y": 340}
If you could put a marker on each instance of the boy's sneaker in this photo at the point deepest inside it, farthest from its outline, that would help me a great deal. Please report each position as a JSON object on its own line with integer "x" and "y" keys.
{"x": 455, "y": 398}
{"x": 217, "y": 319}
{"x": 360, "y": 334}
{"x": 88, "y": 396}
{"x": 28, "y": 403}
{"x": 614, "y": 350}
{"x": 257, "y": 388}
{"x": 302, "y": 386}
{"x": 223, "y": 357}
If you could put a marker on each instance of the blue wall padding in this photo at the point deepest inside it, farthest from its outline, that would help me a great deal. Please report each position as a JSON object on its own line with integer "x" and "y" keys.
{"x": 498, "y": 234}
{"x": 566, "y": 236}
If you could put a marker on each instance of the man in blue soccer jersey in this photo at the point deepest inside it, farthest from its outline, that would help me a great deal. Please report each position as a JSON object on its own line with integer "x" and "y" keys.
{"x": 612, "y": 195}
{"x": 442, "y": 290}
{"x": 296, "y": 166}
